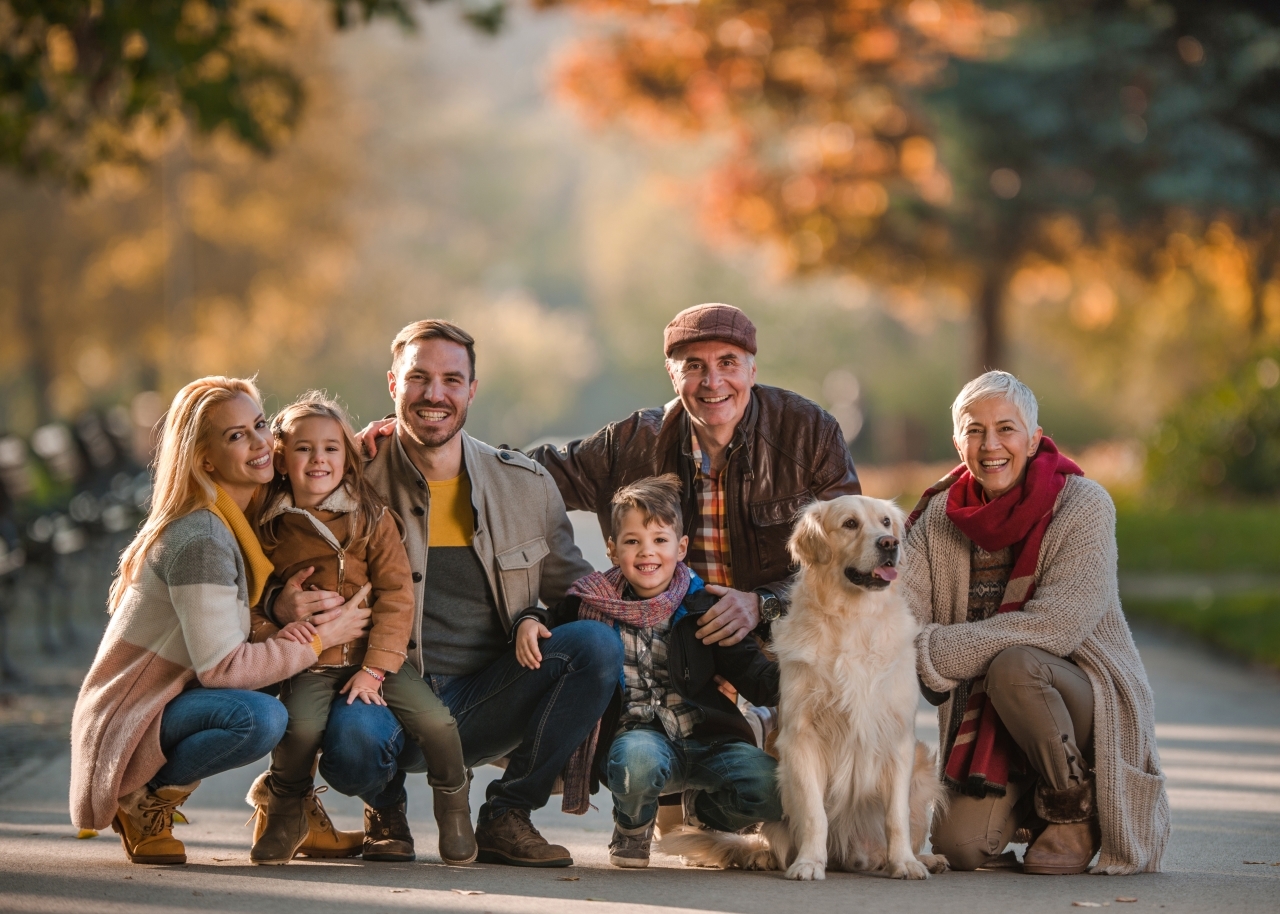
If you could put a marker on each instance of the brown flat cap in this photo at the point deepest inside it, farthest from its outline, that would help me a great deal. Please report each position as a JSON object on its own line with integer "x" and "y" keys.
{"x": 710, "y": 322}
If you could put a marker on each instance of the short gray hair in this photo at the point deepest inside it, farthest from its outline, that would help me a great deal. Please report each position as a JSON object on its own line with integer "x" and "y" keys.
{"x": 991, "y": 385}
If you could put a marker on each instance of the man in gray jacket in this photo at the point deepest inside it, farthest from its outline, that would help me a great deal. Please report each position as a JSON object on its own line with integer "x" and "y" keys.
{"x": 487, "y": 537}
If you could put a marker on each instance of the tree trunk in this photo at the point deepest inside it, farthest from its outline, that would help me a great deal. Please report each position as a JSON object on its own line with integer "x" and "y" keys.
{"x": 990, "y": 321}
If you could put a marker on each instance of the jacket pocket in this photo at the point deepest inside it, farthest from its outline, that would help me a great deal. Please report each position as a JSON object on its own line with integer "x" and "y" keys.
{"x": 772, "y": 521}
{"x": 520, "y": 574}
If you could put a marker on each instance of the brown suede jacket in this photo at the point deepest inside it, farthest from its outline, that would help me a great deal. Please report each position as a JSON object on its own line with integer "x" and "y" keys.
{"x": 787, "y": 452}
{"x": 314, "y": 538}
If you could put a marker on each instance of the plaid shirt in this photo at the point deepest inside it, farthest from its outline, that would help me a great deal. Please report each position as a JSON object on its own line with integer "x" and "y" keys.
{"x": 709, "y": 545}
{"x": 648, "y": 692}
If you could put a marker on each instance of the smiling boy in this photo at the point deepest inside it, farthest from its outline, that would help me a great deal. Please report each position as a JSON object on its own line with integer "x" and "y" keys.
{"x": 669, "y": 728}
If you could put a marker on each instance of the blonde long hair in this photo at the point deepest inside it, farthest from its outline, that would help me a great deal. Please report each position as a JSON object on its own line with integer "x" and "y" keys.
{"x": 315, "y": 404}
{"x": 180, "y": 484}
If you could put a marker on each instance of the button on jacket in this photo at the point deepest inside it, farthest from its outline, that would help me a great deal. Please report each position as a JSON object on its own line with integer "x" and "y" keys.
{"x": 523, "y": 536}
{"x": 786, "y": 452}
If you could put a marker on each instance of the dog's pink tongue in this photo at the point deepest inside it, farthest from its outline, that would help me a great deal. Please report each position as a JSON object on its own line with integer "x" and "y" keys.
{"x": 887, "y": 573}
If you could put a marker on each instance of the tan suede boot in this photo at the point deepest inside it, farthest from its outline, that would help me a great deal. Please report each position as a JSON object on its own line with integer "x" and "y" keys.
{"x": 1067, "y": 845}
{"x": 144, "y": 821}
{"x": 284, "y": 828}
{"x": 323, "y": 840}
{"x": 453, "y": 821}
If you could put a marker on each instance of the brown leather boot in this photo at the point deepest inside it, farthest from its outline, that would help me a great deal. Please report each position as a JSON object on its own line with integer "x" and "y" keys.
{"x": 1068, "y": 844}
{"x": 453, "y": 820}
{"x": 387, "y": 838}
{"x": 144, "y": 821}
{"x": 511, "y": 839}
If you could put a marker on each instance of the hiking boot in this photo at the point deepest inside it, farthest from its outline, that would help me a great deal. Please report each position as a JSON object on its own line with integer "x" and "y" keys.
{"x": 387, "y": 838}
{"x": 284, "y": 828}
{"x": 453, "y": 820}
{"x": 630, "y": 846}
{"x": 511, "y": 839}
{"x": 144, "y": 821}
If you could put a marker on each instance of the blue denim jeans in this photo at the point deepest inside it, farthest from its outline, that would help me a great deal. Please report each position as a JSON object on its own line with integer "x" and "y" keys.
{"x": 536, "y": 718}
{"x": 738, "y": 783}
{"x": 204, "y": 732}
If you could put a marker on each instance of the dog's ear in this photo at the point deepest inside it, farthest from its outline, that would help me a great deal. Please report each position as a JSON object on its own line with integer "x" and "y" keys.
{"x": 808, "y": 544}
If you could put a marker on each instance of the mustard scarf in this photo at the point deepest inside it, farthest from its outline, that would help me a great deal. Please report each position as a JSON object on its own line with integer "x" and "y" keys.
{"x": 256, "y": 564}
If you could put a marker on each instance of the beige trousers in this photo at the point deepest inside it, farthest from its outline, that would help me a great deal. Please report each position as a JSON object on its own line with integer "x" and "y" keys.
{"x": 1046, "y": 703}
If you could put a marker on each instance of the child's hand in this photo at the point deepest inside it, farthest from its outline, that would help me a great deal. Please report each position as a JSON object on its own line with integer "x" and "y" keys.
{"x": 364, "y": 687}
{"x": 301, "y": 632}
{"x": 528, "y": 654}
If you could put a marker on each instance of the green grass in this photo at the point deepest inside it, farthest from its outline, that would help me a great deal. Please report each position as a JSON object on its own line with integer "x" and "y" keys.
{"x": 1210, "y": 539}
{"x": 1207, "y": 539}
{"x": 1246, "y": 624}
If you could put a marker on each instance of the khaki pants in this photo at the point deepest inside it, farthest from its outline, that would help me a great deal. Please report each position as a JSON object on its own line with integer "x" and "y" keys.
{"x": 1046, "y": 703}
{"x": 423, "y": 716}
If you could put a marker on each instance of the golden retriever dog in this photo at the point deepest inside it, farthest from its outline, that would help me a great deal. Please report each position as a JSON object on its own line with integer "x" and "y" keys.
{"x": 857, "y": 788}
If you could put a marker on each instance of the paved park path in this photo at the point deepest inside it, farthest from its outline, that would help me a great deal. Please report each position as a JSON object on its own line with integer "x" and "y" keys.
{"x": 1219, "y": 730}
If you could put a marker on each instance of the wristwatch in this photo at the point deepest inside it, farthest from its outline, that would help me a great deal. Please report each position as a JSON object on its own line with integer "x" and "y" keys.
{"x": 770, "y": 606}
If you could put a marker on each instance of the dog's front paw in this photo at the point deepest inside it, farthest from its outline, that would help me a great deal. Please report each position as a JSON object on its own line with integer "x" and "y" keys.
{"x": 806, "y": 870}
{"x": 908, "y": 869}
{"x": 934, "y": 863}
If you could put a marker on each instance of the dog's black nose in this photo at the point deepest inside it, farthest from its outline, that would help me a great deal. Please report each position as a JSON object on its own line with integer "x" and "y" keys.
{"x": 887, "y": 542}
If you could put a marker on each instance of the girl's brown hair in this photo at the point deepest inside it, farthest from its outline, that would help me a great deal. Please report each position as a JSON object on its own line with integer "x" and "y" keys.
{"x": 314, "y": 404}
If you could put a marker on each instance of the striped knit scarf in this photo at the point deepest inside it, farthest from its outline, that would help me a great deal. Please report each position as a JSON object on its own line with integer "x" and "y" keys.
{"x": 979, "y": 759}
{"x": 602, "y": 600}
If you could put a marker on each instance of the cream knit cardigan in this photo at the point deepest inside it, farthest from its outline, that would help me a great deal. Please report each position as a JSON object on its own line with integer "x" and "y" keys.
{"x": 1075, "y": 614}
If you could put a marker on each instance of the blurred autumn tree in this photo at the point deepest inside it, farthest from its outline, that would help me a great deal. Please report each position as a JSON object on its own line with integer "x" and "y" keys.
{"x": 211, "y": 260}
{"x": 938, "y": 146}
{"x": 91, "y": 82}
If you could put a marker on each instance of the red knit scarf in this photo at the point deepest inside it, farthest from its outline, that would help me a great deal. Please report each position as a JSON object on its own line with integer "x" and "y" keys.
{"x": 979, "y": 759}
{"x": 602, "y": 600}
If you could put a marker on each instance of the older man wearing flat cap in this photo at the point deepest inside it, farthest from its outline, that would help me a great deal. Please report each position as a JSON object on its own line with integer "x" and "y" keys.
{"x": 749, "y": 458}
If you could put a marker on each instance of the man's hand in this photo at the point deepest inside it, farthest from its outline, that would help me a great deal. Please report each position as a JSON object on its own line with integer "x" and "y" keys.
{"x": 294, "y": 604}
{"x": 528, "y": 653}
{"x": 733, "y": 618}
{"x": 301, "y": 632}
{"x": 364, "y": 687}
{"x": 346, "y": 623}
{"x": 369, "y": 435}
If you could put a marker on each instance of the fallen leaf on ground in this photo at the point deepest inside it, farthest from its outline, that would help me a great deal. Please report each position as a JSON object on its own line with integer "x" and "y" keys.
{"x": 1256, "y": 862}
{"x": 569, "y": 878}
{"x": 396, "y": 891}
{"x": 466, "y": 891}
{"x": 197, "y": 893}
{"x": 128, "y": 877}
{"x": 222, "y": 859}
{"x": 1126, "y": 900}
{"x": 1085, "y": 904}
{"x": 87, "y": 833}
{"x": 594, "y": 899}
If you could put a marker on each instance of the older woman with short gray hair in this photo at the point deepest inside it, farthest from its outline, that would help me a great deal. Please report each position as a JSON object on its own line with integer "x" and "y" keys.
{"x": 1046, "y": 717}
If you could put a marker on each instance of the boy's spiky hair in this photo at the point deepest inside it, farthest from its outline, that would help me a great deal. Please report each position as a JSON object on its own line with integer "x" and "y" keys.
{"x": 657, "y": 498}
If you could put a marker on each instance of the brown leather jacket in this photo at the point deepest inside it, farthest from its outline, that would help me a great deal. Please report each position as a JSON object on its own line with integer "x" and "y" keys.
{"x": 786, "y": 453}
{"x": 382, "y": 562}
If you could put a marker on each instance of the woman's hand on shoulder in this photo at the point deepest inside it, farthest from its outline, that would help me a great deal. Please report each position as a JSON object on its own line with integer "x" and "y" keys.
{"x": 373, "y": 432}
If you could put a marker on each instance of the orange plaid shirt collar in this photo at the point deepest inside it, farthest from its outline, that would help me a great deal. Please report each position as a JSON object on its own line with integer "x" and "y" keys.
{"x": 709, "y": 545}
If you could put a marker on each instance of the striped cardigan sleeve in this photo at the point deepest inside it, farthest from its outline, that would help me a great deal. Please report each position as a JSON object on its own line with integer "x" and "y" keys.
{"x": 207, "y": 591}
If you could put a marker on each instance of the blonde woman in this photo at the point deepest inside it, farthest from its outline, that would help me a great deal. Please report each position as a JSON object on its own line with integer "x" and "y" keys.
{"x": 168, "y": 699}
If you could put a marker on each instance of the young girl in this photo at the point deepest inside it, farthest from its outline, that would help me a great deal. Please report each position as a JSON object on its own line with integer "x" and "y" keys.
{"x": 320, "y": 513}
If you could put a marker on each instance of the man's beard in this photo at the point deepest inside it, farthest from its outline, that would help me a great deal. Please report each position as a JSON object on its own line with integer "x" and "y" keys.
{"x": 437, "y": 435}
